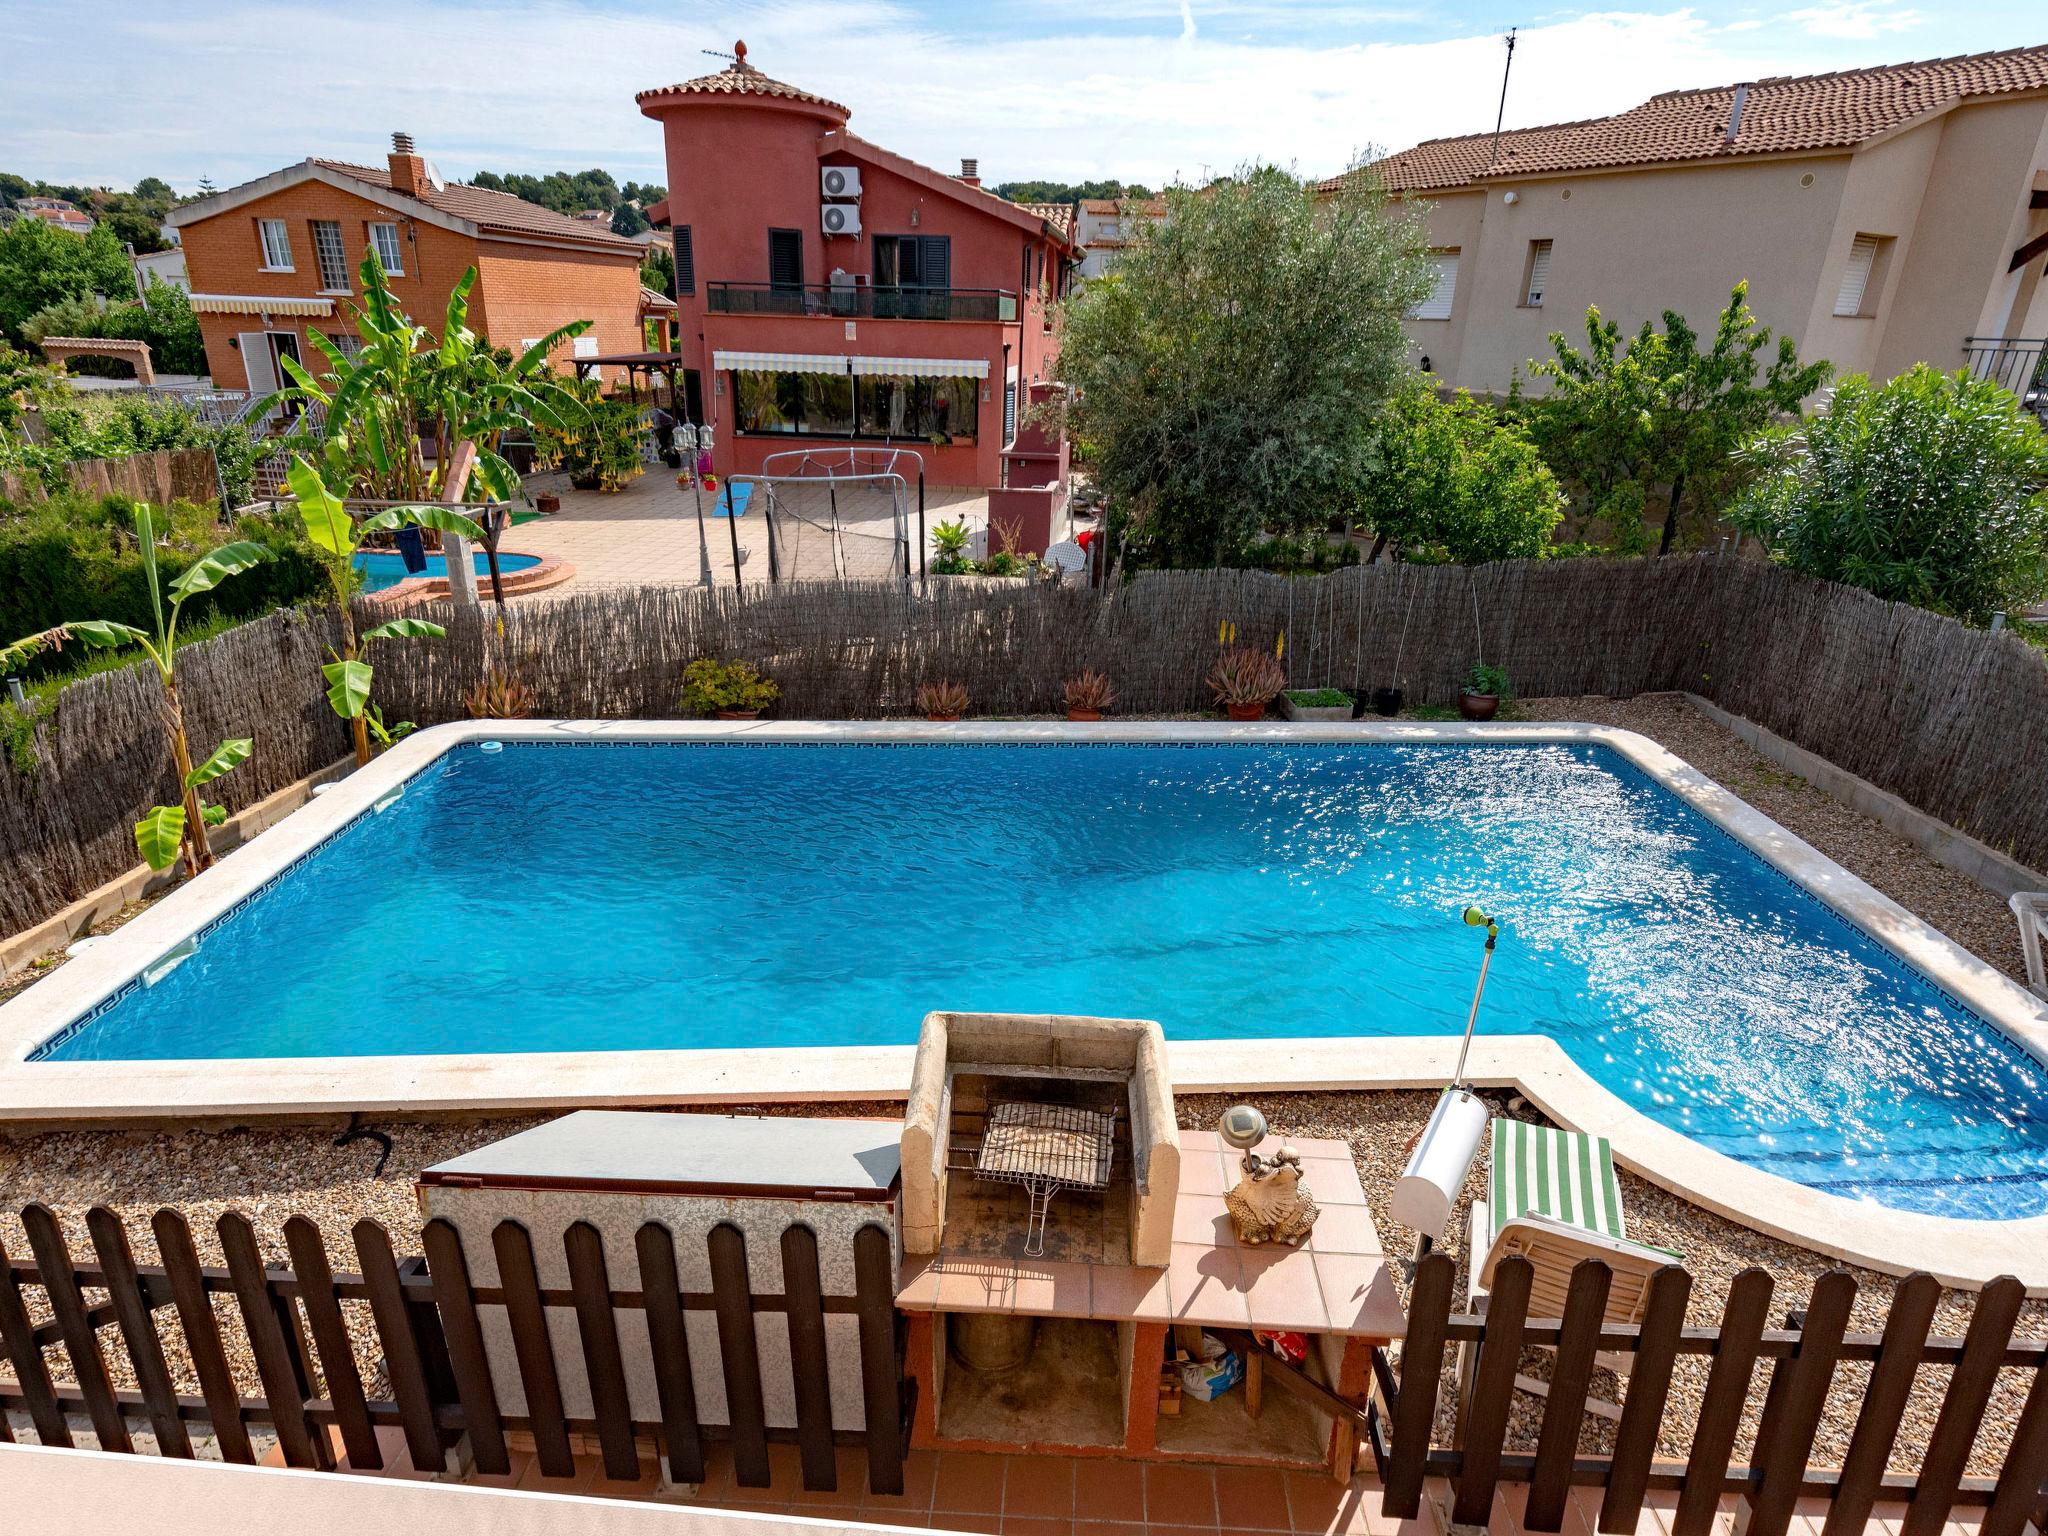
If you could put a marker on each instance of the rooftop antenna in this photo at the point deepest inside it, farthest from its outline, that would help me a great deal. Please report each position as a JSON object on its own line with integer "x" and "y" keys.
{"x": 737, "y": 56}
{"x": 1501, "y": 116}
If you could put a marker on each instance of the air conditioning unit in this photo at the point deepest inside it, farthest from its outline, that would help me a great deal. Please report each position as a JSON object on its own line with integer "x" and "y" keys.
{"x": 839, "y": 180}
{"x": 839, "y": 218}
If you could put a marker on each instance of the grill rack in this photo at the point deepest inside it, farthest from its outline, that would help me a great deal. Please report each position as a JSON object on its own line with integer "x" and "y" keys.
{"x": 1046, "y": 1148}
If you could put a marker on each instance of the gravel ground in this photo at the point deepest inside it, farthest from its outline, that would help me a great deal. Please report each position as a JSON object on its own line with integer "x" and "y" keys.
{"x": 271, "y": 1173}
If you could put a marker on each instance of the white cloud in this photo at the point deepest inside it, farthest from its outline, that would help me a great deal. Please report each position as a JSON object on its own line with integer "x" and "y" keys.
{"x": 1082, "y": 88}
{"x": 1856, "y": 19}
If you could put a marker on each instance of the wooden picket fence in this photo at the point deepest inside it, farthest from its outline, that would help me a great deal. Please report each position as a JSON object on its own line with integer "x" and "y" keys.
{"x": 307, "y": 1333}
{"x": 1803, "y": 1357}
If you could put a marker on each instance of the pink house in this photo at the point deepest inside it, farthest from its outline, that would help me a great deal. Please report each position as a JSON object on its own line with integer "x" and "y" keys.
{"x": 831, "y": 291}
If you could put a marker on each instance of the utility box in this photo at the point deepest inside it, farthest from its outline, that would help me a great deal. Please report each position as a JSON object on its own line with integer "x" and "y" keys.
{"x": 693, "y": 1175}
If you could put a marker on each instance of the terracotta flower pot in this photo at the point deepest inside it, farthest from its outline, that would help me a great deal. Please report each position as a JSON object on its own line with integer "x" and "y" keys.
{"x": 1246, "y": 711}
{"x": 1084, "y": 714}
{"x": 942, "y": 719}
{"x": 739, "y": 714}
{"x": 548, "y": 503}
{"x": 1478, "y": 706}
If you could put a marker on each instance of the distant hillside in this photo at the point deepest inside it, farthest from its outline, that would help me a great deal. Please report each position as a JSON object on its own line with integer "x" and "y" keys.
{"x": 1067, "y": 191}
{"x": 573, "y": 193}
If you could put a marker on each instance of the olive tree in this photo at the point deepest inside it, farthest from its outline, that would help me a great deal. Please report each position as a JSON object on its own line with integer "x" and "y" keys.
{"x": 1229, "y": 372}
{"x": 1932, "y": 489}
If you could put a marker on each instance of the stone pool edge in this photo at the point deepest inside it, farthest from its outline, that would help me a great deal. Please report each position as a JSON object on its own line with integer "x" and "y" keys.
{"x": 50, "y": 1093}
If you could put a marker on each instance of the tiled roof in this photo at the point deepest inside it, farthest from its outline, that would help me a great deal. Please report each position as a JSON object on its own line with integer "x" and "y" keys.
{"x": 1059, "y": 215}
{"x": 491, "y": 210}
{"x": 1788, "y": 113}
{"x": 740, "y": 79}
{"x": 653, "y": 299}
{"x": 1154, "y": 207}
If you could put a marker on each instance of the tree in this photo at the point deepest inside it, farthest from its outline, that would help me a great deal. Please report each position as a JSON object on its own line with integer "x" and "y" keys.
{"x": 1622, "y": 419}
{"x": 1231, "y": 374}
{"x": 1931, "y": 490}
{"x": 627, "y": 219}
{"x": 1459, "y": 482}
{"x": 658, "y": 270}
{"x": 154, "y": 189}
{"x": 134, "y": 227}
{"x": 167, "y": 829}
{"x": 41, "y": 265}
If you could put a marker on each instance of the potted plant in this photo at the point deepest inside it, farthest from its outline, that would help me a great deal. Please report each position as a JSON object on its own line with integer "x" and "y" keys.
{"x": 1088, "y": 695}
{"x": 942, "y": 701}
{"x": 1317, "y": 704}
{"x": 1245, "y": 681}
{"x": 732, "y": 690}
{"x": 1387, "y": 701}
{"x": 949, "y": 548}
{"x": 547, "y": 502}
{"x": 1484, "y": 691}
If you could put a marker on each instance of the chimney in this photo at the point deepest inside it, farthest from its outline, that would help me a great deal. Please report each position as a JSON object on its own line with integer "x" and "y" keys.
{"x": 970, "y": 172}
{"x": 408, "y": 170}
{"x": 1735, "y": 111}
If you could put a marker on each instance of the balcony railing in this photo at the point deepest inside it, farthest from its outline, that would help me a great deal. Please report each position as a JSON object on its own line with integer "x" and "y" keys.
{"x": 845, "y": 301}
{"x": 2020, "y": 363}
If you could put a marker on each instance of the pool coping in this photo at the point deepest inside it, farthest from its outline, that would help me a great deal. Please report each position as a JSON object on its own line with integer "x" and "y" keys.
{"x": 1958, "y": 1251}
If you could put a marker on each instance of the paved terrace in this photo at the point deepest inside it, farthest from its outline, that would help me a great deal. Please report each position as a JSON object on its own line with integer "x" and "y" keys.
{"x": 646, "y": 534}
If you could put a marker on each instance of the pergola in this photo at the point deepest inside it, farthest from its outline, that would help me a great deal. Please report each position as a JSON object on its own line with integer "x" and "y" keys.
{"x": 665, "y": 364}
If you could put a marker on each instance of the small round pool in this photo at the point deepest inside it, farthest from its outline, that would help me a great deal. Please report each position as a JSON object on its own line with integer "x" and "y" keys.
{"x": 386, "y": 568}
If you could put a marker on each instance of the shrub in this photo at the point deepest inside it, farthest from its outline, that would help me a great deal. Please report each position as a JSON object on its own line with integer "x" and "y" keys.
{"x": 1485, "y": 679}
{"x": 167, "y": 324}
{"x": 1244, "y": 675}
{"x": 1459, "y": 482}
{"x": 599, "y": 452}
{"x": 942, "y": 701}
{"x": 75, "y": 554}
{"x": 734, "y": 686}
{"x": 114, "y": 425}
{"x": 1930, "y": 490}
{"x": 1090, "y": 690}
{"x": 500, "y": 696}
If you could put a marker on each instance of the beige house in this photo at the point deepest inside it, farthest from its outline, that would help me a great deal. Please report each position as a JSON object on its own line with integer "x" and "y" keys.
{"x": 1106, "y": 224}
{"x": 1882, "y": 217}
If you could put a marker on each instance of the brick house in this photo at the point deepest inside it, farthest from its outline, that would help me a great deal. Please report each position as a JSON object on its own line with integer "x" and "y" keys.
{"x": 832, "y": 291}
{"x": 276, "y": 258}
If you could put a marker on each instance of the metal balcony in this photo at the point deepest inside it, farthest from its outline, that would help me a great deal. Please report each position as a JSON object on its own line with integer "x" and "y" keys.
{"x": 2020, "y": 363}
{"x": 847, "y": 301}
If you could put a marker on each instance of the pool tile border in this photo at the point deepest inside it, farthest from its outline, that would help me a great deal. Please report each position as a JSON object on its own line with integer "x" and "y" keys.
{"x": 1960, "y": 1252}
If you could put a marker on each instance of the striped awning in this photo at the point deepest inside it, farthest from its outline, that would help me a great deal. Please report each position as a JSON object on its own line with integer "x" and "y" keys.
{"x": 1565, "y": 1175}
{"x": 257, "y": 304}
{"x": 867, "y": 367}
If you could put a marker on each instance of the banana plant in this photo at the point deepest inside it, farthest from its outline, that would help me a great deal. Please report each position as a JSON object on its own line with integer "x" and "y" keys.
{"x": 337, "y": 537}
{"x": 167, "y": 830}
{"x": 402, "y": 376}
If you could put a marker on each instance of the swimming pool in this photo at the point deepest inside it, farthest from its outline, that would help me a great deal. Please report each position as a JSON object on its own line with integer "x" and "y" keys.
{"x": 381, "y": 570}
{"x": 623, "y": 895}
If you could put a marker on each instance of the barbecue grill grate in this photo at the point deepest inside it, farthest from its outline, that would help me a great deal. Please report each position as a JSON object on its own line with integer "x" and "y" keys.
{"x": 1046, "y": 1148}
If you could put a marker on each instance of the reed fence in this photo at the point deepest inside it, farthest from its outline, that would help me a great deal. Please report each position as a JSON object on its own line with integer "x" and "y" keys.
{"x": 1811, "y": 1357}
{"x": 1951, "y": 719}
{"x": 413, "y": 1348}
{"x": 161, "y": 475}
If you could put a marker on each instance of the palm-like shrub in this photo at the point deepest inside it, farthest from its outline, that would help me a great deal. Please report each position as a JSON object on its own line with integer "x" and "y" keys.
{"x": 1932, "y": 489}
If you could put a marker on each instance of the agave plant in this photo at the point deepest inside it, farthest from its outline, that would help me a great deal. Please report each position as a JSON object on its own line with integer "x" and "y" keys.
{"x": 336, "y": 537}
{"x": 500, "y": 696}
{"x": 1246, "y": 677}
{"x": 1090, "y": 692}
{"x": 167, "y": 830}
{"x": 371, "y": 445}
{"x": 942, "y": 701}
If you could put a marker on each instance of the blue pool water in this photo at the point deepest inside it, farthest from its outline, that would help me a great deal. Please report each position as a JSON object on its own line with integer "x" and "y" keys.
{"x": 381, "y": 570}
{"x": 606, "y": 897}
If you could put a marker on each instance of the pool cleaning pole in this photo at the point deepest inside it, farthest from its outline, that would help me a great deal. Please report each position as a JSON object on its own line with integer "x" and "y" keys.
{"x": 1476, "y": 919}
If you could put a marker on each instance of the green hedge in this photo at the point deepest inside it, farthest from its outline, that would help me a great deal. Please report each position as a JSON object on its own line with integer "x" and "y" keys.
{"x": 74, "y": 557}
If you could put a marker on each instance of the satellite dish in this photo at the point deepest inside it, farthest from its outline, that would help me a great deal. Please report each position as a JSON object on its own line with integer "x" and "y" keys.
{"x": 1068, "y": 558}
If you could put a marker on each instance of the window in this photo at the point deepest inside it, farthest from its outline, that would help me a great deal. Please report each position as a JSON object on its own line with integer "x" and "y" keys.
{"x": 277, "y": 245}
{"x": 333, "y": 260}
{"x": 835, "y": 405}
{"x": 1863, "y": 278}
{"x": 390, "y": 254}
{"x": 1009, "y": 410}
{"x": 1536, "y": 277}
{"x": 786, "y": 259}
{"x": 1437, "y": 306}
{"x": 914, "y": 261}
{"x": 585, "y": 346}
{"x": 347, "y": 343}
{"x": 686, "y": 262}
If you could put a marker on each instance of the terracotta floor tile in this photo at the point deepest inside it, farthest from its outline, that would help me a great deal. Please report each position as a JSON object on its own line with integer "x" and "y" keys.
{"x": 1282, "y": 1291}
{"x": 1108, "y": 1528}
{"x": 1038, "y": 1488}
{"x": 1251, "y": 1499}
{"x": 1108, "y": 1490}
{"x": 1200, "y": 1219}
{"x": 969, "y": 1483}
{"x": 1015, "y": 1525}
{"x": 1316, "y": 1504}
{"x": 1180, "y": 1495}
{"x": 953, "y": 1520}
{"x": 1118, "y": 1292}
{"x": 920, "y": 1470}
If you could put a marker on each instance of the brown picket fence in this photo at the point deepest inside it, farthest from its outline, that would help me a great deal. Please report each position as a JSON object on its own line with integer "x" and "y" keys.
{"x": 304, "y": 1333}
{"x": 1803, "y": 1360}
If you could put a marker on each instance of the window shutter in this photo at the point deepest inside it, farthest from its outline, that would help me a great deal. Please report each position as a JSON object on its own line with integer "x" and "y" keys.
{"x": 1539, "y": 273}
{"x": 1438, "y": 305}
{"x": 686, "y": 263}
{"x": 1856, "y": 278}
{"x": 935, "y": 254}
{"x": 785, "y": 258}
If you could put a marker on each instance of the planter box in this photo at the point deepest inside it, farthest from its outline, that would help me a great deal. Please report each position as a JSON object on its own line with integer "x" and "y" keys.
{"x": 1294, "y": 711}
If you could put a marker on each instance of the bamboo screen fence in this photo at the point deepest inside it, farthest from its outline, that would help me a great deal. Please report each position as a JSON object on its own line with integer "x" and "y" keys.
{"x": 1951, "y": 719}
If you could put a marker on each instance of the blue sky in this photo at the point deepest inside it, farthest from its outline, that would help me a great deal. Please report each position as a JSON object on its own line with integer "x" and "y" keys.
{"x": 1062, "y": 89}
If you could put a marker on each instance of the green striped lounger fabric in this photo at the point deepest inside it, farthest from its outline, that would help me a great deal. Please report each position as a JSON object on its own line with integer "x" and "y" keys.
{"x": 1565, "y": 1175}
